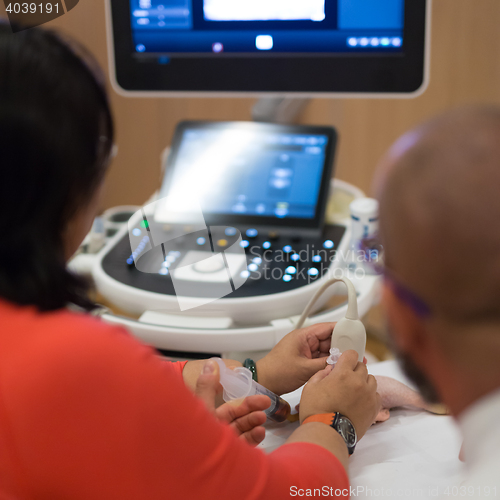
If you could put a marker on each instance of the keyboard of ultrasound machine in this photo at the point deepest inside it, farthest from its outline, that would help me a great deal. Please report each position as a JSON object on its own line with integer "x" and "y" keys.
{"x": 269, "y": 254}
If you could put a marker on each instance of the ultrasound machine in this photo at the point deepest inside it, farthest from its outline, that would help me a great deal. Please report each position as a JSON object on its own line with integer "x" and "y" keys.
{"x": 224, "y": 258}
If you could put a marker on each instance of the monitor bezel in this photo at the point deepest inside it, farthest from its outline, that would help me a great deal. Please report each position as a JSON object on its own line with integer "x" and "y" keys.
{"x": 333, "y": 75}
{"x": 314, "y": 224}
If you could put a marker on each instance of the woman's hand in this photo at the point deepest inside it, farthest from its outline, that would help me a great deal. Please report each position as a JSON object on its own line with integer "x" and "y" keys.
{"x": 245, "y": 416}
{"x": 296, "y": 358}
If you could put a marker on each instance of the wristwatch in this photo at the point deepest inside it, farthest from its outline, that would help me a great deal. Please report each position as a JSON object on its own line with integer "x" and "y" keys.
{"x": 341, "y": 424}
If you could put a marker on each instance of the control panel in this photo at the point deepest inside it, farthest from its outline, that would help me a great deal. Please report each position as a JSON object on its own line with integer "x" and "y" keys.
{"x": 222, "y": 261}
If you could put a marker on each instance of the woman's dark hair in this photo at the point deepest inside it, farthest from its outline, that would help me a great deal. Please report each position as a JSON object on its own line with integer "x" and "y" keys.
{"x": 56, "y": 135}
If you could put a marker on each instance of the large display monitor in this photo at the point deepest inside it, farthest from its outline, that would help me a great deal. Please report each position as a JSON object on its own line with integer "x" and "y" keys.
{"x": 269, "y": 46}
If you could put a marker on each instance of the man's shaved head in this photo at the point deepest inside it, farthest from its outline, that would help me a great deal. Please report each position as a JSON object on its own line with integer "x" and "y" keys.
{"x": 439, "y": 192}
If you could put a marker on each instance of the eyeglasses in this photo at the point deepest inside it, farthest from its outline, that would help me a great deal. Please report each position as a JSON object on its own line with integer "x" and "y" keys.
{"x": 373, "y": 251}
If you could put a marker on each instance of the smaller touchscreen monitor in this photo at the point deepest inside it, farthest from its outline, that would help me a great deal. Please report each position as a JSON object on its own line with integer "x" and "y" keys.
{"x": 249, "y": 173}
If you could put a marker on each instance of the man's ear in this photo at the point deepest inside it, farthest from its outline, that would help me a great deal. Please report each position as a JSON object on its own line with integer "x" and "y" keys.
{"x": 407, "y": 328}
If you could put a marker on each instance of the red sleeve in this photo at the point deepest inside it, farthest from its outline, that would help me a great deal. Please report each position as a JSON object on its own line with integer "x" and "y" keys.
{"x": 178, "y": 366}
{"x": 94, "y": 414}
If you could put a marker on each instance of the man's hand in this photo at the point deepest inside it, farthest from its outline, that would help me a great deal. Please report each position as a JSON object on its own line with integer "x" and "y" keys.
{"x": 296, "y": 358}
{"x": 347, "y": 389}
{"x": 245, "y": 416}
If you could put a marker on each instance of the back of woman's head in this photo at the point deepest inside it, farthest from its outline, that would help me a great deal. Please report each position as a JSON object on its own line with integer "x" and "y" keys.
{"x": 56, "y": 134}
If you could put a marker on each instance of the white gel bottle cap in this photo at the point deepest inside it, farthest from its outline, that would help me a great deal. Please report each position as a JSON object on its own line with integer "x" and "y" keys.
{"x": 364, "y": 218}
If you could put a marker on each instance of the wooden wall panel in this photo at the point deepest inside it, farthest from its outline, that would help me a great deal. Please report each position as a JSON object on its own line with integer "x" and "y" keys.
{"x": 465, "y": 68}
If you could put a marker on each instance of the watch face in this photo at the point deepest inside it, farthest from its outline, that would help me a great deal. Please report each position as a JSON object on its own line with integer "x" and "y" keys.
{"x": 347, "y": 431}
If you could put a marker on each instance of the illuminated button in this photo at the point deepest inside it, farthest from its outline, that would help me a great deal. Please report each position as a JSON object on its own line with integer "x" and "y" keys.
{"x": 217, "y": 47}
{"x": 136, "y": 231}
{"x": 281, "y": 212}
{"x": 290, "y": 270}
{"x": 287, "y": 278}
{"x": 257, "y": 260}
{"x": 313, "y": 272}
{"x": 163, "y": 271}
{"x": 200, "y": 240}
{"x": 230, "y": 231}
{"x": 130, "y": 261}
{"x": 316, "y": 258}
{"x": 222, "y": 243}
{"x": 252, "y": 233}
{"x": 264, "y": 42}
{"x": 166, "y": 263}
{"x": 144, "y": 224}
{"x": 352, "y": 41}
{"x": 287, "y": 249}
{"x": 328, "y": 244}
{"x": 170, "y": 258}
{"x": 253, "y": 267}
{"x": 295, "y": 257}
{"x": 245, "y": 274}
{"x": 244, "y": 243}
{"x": 266, "y": 245}
{"x": 385, "y": 41}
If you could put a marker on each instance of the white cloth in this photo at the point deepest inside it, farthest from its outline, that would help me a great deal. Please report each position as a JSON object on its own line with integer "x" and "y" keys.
{"x": 481, "y": 430}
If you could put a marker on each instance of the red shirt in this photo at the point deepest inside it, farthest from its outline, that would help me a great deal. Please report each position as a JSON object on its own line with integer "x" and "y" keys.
{"x": 88, "y": 412}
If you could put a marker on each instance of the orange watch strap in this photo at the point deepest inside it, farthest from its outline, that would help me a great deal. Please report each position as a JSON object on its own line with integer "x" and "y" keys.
{"x": 324, "y": 418}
